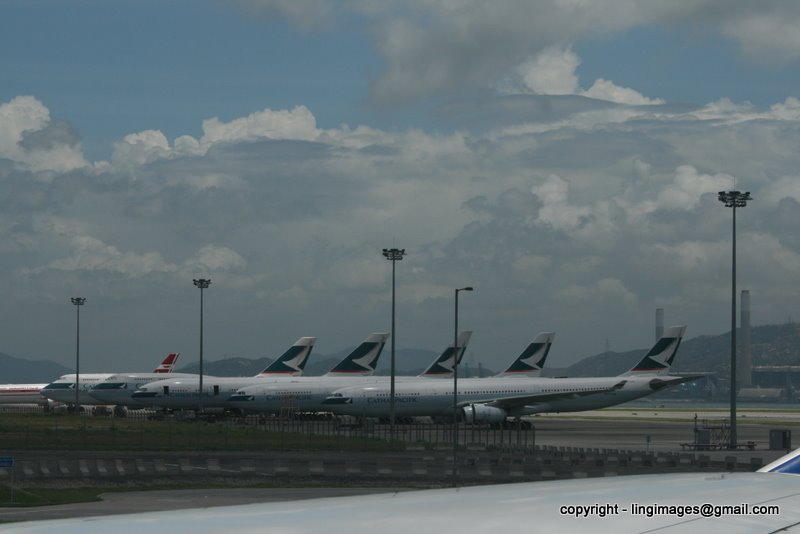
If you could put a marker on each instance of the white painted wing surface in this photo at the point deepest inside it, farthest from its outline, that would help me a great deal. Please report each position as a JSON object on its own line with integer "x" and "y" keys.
{"x": 510, "y": 508}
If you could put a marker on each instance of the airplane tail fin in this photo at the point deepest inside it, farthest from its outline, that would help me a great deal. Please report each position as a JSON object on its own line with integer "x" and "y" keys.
{"x": 658, "y": 360}
{"x": 442, "y": 367}
{"x": 293, "y": 361}
{"x": 532, "y": 359}
{"x": 363, "y": 359}
{"x": 168, "y": 364}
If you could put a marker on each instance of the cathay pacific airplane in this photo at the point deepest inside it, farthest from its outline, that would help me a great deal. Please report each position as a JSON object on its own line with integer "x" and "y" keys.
{"x": 494, "y": 400}
{"x": 307, "y": 393}
{"x": 764, "y": 502}
{"x": 184, "y": 393}
{"x": 63, "y": 389}
{"x": 118, "y": 389}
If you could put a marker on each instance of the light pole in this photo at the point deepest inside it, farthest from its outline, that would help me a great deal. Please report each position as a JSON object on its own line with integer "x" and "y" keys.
{"x": 78, "y": 302}
{"x": 393, "y": 255}
{"x": 455, "y": 385}
{"x": 733, "y": 199}
{"x": 202, "y": 283}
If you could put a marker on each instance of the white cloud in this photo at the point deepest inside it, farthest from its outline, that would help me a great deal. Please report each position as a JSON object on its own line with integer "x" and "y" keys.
{"x": 607, "y": 90}
{"x": 605, "y": 292}
{"x": 208, "y": 180}
{"x": 186, "y": 145}
{"x": 788, "y": 110}
{"x": 556, "y": 211}
{"x": 551, "y": 72}
{"x": 297, "y": 124}
{"x": 91, "y": 254}
{"x": 576, "y": 224}
{"x": 149, "y": 146}
{"x": 141, "y": 148}
{"x": 438, "y": 46}
{"x": 571, "y": 214}
{"x": 685, "y": 192}
{"x": 212, "y": 258}
{"x": 695, "y": 257}
{"x": 21, "y": 114}
{"x": 24, "y": 118}
{"x": 780, "y": 188}
{"x": 767, "y": 33}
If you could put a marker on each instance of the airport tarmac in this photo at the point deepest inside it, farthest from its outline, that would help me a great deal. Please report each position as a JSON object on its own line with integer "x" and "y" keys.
{"x": 658, "y": 428}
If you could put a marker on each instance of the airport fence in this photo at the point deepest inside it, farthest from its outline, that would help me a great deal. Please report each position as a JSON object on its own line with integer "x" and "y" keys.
{"x": 140, "y": 431}
{"x": 419, "y": 434}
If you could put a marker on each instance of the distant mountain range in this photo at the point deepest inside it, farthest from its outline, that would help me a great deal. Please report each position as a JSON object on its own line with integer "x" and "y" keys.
{"x": 770, "y": 345}
{"x": 19, "y": 371}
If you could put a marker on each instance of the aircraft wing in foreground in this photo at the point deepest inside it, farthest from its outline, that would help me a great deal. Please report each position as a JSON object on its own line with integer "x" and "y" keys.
{"x": 733, "y": 503}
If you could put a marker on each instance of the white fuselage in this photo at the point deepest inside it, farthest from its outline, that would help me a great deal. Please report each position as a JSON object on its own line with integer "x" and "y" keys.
{"x": 22, "y": 394}
{"x": 63, "y": 389}
{"x": 302, "y": 394}
{"x": 184, "y": 393}
{"x": 117, "y": 389}
{"x": 270, "y": 393}
{"x": 435, "y": 398}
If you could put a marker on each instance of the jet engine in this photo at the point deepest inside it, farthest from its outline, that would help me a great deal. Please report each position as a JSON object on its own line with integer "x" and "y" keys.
{"x": 480, "y": 413}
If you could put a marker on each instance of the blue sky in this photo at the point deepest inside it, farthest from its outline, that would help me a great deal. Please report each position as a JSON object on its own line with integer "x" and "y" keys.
{"x": 561, "y": 157}
{"x": 111, "y": 68}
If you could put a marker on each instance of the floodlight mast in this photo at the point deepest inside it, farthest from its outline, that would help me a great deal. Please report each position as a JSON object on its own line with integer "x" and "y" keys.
{"x": 733, "y": 199}
{"x": 393, "y": 255}
{"x": 201, "y": 283}
{"x": 78, "y": 302}
{"x": 455, "y": 385}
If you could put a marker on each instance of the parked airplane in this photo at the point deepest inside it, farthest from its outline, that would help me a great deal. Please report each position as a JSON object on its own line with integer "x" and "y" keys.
{"x": 184, "y": 393}
{"x": 31, "y": 393}
{"x": 118, "y": 389}
{"x": 63, "y": 389}
{"x": 493, "y": 400}
{"x": 766, "y": 501}
{"x": 22, "y": 394}
{"x": 307, "y": 393}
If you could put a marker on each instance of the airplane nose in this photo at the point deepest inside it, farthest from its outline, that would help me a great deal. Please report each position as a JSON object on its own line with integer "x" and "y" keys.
{"x": 144, "y": 394}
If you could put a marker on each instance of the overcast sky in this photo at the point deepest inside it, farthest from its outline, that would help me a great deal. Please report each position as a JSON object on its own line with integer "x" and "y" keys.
{"x": 562, "y": 157}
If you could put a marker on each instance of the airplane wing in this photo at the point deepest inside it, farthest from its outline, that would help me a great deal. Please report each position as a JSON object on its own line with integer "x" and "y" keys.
{"x": 509, "y": 403}
{"x": 734, "y": 503}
